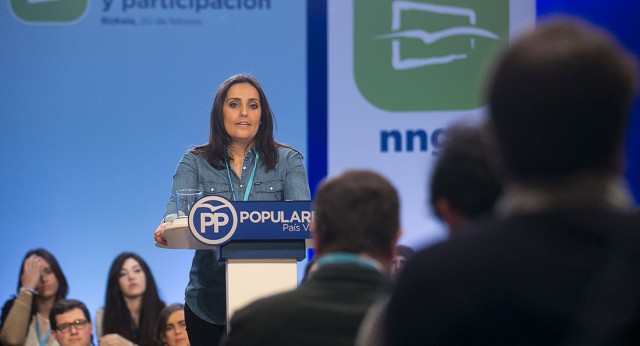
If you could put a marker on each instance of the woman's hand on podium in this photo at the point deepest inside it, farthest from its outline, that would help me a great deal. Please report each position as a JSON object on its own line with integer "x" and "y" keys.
{"x": 157, "y": 235}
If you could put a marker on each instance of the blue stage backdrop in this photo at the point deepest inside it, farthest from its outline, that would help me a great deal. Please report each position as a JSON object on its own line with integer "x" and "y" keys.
{"x": 102, "y": 97}
{"x": 99, "y": 105}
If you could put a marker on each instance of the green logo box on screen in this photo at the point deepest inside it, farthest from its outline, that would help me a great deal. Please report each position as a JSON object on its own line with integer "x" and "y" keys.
{"x": 48, "y": 11}
{"x": 426, "y": 55}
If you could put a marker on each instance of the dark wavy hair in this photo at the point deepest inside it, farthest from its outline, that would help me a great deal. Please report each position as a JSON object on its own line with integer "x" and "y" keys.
{"x": 63, "y": 286}
{"x": 117, "y": 318}
{"x": 216, "y": 149}
{"x": 161, "y": 326}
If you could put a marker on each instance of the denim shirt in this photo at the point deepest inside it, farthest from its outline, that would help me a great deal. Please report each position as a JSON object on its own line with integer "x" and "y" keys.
{"x": 206, "y": 291}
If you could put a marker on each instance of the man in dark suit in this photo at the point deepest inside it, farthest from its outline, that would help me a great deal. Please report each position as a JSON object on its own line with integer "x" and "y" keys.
{"x": 463, "y": 191}
{"x": 561, "y": 264}
{"x": 356, "y": 226}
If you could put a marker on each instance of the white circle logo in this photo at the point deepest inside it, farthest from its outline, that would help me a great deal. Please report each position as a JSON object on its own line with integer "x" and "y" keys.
{"x": 213, "y": 220}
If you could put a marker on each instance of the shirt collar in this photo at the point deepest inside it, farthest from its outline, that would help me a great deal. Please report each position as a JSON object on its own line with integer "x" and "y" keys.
{"x": 250, "y": 152}
{"x": 576, "y": 191}
{"x": 350, "y": 258}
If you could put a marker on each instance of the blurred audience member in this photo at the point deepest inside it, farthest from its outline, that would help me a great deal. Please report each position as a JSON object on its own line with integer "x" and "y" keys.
{"x": 171, "y": 328}
{"x": 132, "y": 304}
{"x": 560, "y": 265}
{"x": 464, "y": 188}
{"x": 400, "y": 257}
{"x": 356, "y": 225}
{"x": 71, "y": 323}
{"x": 465, "y": 184}
{"x": 25, "y": 317}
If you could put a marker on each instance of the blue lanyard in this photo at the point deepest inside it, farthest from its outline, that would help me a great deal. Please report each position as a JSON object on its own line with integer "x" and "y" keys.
{"x": 42, "y": 341}
{"x": 349, "y": 258}
{"x": 249, "y": 184}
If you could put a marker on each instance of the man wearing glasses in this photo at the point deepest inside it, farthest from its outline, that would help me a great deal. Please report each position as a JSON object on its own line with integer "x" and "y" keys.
{"x": 70, "y": 323}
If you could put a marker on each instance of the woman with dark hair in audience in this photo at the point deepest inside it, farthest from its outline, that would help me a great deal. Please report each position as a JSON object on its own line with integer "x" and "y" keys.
{"x": 132, "y": 304}
{"x": 171, "y": 328}
{"x": 25, "y": 317}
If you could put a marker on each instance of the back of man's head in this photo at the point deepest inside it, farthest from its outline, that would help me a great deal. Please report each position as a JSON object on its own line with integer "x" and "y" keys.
{"x": 357, "y": 211}
{"x": 558, "y": 101}
{"x": 464, "y": 180}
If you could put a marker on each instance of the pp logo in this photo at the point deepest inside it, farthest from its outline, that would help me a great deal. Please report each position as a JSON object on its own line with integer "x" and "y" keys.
{"x": 426, "y": 55}
{"x": 49, "y": 11}
{"x": 213, "y": 220}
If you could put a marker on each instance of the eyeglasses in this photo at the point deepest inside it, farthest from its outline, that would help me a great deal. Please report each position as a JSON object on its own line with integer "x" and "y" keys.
{"x": 66, "y": 327}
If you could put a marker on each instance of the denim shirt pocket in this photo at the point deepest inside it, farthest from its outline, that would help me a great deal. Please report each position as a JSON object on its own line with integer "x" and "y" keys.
{"x": 271, "y": 190}
{"x": 213, "y": 188}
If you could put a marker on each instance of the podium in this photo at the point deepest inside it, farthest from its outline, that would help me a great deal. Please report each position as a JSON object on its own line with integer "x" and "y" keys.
{"x": 259, "y": 241}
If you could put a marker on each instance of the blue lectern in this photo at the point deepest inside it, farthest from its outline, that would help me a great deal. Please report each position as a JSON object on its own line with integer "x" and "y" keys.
{"x": 260, "y": 241}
